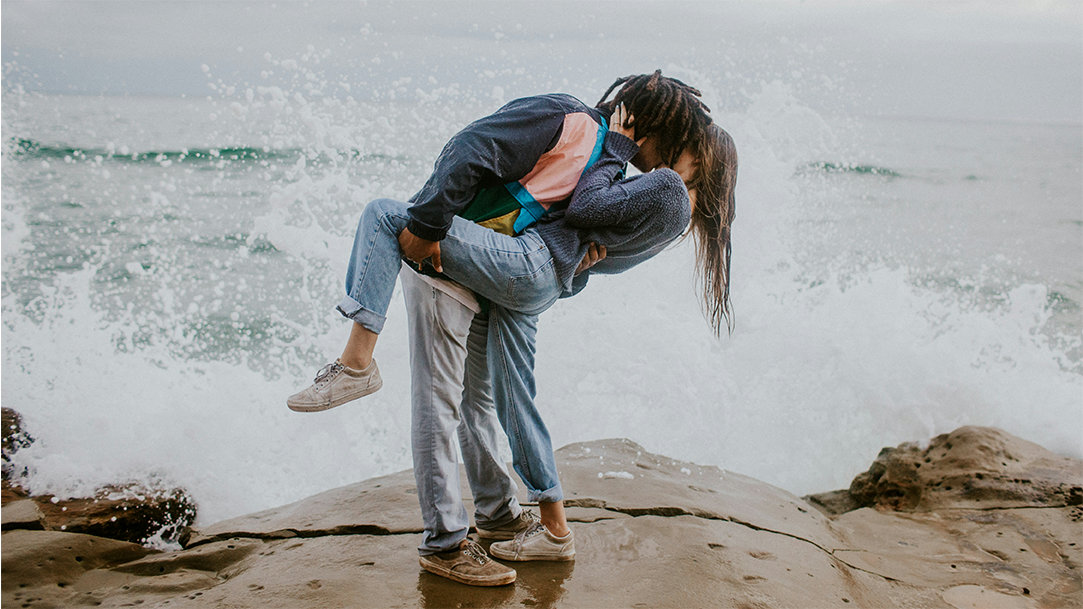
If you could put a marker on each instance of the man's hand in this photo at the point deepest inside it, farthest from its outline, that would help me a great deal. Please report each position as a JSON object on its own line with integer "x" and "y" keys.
{"x": 594, "y": 253}
{"x": 417, "y": 250}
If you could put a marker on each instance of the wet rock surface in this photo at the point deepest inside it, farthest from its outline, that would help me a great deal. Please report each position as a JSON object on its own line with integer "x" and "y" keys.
{"x": 650, "y": 532}
{"x": 133, "y": 512}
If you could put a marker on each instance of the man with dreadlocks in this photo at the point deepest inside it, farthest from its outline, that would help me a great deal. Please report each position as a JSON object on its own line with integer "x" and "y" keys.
{"x": 513, "y": 172}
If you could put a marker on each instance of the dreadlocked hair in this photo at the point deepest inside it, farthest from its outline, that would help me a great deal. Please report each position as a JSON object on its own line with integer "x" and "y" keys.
{"x": 712, "y": 217}
{"x": 663, "y": 107}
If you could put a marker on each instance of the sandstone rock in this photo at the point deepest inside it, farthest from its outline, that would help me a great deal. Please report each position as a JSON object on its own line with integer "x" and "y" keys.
{"x": 380, "y": 506}
{"x": 23, "y": 514}
{"x": 650, "y": 532}
{"x": 135, "y": 512}
{"x": 45, "y": 568}
{"x": 14, "y": 438}
{"x": 971, "y": 467}
{"x": 131, "y": 513}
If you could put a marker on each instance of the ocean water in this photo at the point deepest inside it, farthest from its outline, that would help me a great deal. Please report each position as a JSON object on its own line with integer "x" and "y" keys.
{"x": 170, "y": 268}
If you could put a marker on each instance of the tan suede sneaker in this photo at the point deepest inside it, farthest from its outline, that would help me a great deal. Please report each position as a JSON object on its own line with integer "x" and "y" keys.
{"x": 524, "y": 521}
{"x": 335, "y": 384}
{"x": 535, "y": 543}
{"x": 468, "y": 565}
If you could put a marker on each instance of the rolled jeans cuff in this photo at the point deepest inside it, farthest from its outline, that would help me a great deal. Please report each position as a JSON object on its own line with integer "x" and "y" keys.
{"x": 352, "y": 309}
{"x": 549, "y": 495}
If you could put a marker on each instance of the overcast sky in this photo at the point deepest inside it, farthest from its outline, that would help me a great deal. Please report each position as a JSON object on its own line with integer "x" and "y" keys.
{"x": 1020, "y": 60}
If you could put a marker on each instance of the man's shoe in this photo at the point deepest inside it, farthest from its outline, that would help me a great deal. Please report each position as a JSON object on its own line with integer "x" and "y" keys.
{"x": 468, "y": 565}
{"x": 535, "y": 543}
{"x": 522, "y": 522}
{"x": 335, "y": 384}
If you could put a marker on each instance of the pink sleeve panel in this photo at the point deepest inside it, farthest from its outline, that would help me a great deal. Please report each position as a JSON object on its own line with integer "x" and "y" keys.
{"x": 557, "y": 172}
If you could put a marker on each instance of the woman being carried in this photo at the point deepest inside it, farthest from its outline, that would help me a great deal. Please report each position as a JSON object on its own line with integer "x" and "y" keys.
{"x": 522, "y": 276}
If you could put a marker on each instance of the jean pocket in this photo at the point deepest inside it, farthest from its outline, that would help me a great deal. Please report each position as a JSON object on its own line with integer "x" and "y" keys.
{"x": 534, "y": 292}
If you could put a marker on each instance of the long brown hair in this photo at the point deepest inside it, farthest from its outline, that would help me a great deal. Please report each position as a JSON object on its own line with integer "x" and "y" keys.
{"x": 712, "y": 218}
{"x": 674, "y": 114}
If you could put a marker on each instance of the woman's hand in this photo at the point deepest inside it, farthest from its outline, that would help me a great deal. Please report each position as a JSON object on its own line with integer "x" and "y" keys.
{"x": 623, "y": 122}
{"x": 417, "y": 250}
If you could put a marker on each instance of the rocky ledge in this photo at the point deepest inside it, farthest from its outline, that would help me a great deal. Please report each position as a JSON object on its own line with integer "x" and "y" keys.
{"x": 138, "y": 512}
{"x": 978, "y": 518}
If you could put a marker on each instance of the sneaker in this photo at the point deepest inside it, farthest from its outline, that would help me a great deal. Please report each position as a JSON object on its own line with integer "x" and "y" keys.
{"x": 522, "y": 522}
{"x": 468, "y": 565}
{"x": 535, "y": 543}
{"x": 335, "y": 384}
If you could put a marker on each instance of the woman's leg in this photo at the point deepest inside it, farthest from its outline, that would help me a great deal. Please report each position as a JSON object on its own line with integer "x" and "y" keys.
{"x": 359, "y": 347}
{"x": 511, "y": 362}
{"x": 511, "y": 359}
{"x": 512, "y": 271}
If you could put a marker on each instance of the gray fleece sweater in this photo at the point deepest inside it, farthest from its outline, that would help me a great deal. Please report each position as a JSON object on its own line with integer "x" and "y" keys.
{"x": 634, "y": 218}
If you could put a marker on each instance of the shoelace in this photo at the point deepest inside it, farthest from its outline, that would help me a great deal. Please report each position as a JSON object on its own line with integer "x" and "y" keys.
{"x": 531, "y": 517}
{"x": 473, "y": 550}
{"x": 327, "y": 373}
{"x": 535, "y": 528}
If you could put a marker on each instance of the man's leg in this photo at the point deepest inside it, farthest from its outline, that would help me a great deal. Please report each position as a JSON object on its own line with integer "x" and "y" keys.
{"x": 496, "y": 508}
{"x": 438, "y": 326}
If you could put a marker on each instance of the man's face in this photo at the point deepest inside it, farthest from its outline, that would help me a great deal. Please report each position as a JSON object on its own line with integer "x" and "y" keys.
{"x": 647, "y": 158}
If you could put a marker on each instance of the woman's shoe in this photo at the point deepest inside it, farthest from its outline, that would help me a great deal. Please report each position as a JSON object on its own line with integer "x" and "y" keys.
{"x": 335, "y": 384}
{"x": 535, "y": 543}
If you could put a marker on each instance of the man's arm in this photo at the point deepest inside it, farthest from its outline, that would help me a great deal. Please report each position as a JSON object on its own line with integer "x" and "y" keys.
{"x": 499, "y": 148}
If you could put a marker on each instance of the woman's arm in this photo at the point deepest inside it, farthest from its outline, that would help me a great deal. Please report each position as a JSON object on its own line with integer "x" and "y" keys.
{"x": 604, "y": 197}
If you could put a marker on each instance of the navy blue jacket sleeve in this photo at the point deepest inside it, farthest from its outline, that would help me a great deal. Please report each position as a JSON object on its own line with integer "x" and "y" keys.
{"x": 497, "y": 149}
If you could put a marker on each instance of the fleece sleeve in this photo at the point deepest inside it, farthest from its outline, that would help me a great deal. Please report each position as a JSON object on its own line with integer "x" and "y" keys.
{"x": 604, "y": 198}
{"x": 497, "y": 149}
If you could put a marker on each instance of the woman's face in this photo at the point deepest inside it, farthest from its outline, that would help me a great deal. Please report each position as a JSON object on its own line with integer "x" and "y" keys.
{"x": 648, "y": 159}
{"x": 686, "y": 166}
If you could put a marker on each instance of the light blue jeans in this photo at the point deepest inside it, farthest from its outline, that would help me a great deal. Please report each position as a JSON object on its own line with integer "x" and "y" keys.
{"x": 517, "y": 277}
{"x": 513, "y": 272}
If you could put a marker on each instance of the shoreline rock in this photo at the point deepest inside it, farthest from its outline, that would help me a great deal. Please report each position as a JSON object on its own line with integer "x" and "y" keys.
{"x": 975, "y": 467}
{"x": 650, "y": 531}
{"x": 135, "y": 512}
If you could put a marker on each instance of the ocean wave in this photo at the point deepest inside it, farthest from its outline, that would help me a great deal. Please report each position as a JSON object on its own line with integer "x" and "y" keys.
{"x": 34, "y": 149}
{"x": 852, "y": 168}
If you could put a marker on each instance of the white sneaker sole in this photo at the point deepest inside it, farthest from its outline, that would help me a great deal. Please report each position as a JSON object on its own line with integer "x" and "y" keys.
{"x": 512, "y": 556}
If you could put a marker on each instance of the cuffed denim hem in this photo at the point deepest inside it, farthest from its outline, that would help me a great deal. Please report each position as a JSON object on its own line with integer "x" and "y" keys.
{"x": 549, "y": 495}
{"x": 352, "y": 309}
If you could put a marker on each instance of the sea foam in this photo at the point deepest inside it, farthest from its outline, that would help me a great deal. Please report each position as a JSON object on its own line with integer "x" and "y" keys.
{"x": 166, "y": 348}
